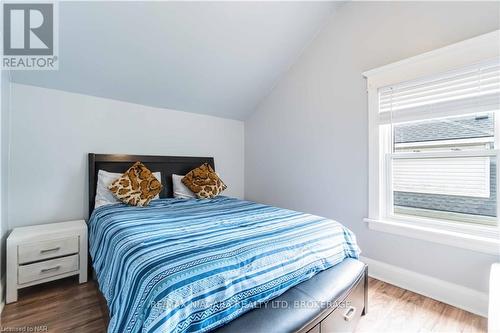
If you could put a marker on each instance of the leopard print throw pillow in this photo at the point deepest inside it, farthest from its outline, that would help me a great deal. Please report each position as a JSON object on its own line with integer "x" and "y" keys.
{"x": 204, "y": 182}
{"x": 137, "y": 186}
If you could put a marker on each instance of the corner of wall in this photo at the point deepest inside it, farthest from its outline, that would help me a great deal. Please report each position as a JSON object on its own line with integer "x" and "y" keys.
{"x": 2, "y": 299}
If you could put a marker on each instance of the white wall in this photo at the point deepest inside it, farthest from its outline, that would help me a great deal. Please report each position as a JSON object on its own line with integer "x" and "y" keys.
{"x": 306, "y": 146}
{"x": 4, "y": 155}
{"x": 52, "y": 131}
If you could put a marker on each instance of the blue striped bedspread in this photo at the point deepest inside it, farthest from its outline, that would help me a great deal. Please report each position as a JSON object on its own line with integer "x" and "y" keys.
{"x": 192, "y": 265}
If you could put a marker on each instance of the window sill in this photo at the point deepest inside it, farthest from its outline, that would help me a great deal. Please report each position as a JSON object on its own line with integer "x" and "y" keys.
{"x": 484, "y": 242}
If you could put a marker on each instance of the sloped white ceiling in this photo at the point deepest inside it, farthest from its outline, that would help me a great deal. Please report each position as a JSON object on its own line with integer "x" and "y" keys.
{"x": 218, "y": 58}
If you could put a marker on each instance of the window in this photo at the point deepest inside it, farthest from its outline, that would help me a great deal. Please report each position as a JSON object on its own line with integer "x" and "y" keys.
{"x": 434, "y": 140}
{"x": 445, "y": 169}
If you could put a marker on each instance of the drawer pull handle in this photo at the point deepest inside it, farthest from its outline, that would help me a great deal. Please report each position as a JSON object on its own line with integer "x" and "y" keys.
{"x": 50, "y": 250}
{"x": 55, "y": 268}
{"x": 349, "y": 313}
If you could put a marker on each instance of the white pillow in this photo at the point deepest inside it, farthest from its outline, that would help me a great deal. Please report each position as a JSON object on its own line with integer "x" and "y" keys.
{"x": 181, "y": 190}
{"x": 103, "y": 195}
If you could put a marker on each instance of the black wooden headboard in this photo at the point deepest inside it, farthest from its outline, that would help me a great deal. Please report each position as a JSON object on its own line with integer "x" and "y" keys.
{"x": 167, "y": 165}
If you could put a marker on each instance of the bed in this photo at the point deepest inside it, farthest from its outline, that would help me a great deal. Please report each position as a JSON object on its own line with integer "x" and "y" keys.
{"x": 223, "y": 265}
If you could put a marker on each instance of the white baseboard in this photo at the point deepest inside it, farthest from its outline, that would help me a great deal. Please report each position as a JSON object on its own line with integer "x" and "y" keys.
{"x": 450, "y": 293}
{"x": 494, "y": 308}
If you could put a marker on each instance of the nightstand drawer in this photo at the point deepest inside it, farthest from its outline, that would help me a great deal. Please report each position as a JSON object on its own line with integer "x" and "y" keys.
{"x": 47, "y": 249}
{"x": 45, "y": 269}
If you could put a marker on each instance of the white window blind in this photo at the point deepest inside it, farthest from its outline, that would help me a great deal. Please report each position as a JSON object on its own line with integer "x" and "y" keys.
{"x": 472, "y": 89}
{"x": 463, "y": 176}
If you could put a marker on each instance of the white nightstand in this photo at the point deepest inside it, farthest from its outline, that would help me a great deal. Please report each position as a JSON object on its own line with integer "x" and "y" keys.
{"x": 45, "y": 252}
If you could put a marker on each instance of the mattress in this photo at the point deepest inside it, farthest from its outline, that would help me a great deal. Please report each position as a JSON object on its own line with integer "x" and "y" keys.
{"x": 194, "y": 265}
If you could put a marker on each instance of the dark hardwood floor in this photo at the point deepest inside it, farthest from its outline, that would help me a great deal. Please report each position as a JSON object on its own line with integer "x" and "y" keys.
{"x": 62, "y": 306}
{"x": 66, "y": 306}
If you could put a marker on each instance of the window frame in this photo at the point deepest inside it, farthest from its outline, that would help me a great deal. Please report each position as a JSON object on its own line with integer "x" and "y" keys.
{"x": 481, "y": 238}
